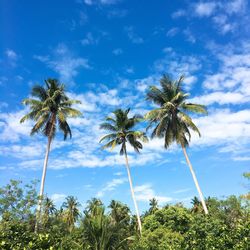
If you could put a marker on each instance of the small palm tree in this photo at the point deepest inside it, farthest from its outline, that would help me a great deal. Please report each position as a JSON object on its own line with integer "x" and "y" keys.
{"x": 119, "y": 212}
{"x": 49, "y": 108}
{"x": 49, "y": 209}
{"x": 153, "y": 203}
{"x": 49, "y": 206}
{"x": 102, "y": 233}
{"x": 93, "y": 205}
{"x": 120, "y": 126}
{"x": 171, "y": 118}
{"x": 71, "y": 212}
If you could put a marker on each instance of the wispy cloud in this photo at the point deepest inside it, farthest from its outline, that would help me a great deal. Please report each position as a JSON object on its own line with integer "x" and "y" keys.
{"x": 133, "y": 37}
{"x": 101, "y": 2}
{"x": 64, "y": 62}
{"x": 58, "y": 198}
{"x": 205, "y": 9}
{"x": 110, "y": 186}
{"x": 145, "y": 193}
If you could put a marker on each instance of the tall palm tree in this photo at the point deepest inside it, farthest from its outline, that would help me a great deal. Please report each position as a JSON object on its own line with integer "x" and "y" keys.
{"x": 71, "y": 211}
{"x": 49, "y": 108}
{"x": 120, "y": 126}
{"x": 172, "y": 119}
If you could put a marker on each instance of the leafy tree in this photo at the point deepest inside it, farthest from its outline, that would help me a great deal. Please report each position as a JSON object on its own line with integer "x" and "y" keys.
{"x": 121, "y": 128}
{"x": 49, "y": 108}
{"x": 247, "y": 195}
{"x": 172, "y": 119}
{"x": 17, "y": 201}
{"x": 71, "y": 212}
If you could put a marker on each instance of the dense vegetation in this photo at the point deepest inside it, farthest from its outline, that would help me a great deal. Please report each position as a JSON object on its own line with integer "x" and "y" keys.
{"x": 227, "y": 226}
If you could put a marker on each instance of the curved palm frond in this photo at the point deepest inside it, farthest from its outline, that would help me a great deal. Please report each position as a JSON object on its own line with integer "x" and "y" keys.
{"x": 194, "y": 108}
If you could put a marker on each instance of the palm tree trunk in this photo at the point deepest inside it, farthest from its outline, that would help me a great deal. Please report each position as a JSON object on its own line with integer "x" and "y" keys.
{"x": 39, "y": 205}
{"x": 132, "y": 191}
{"x": 195, "y": 180}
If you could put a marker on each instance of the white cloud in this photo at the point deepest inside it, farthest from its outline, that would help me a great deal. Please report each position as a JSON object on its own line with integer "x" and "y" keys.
{"x": 231, "y": 84}
{"x": 241, "y": 158}
{"x": 102, "y": 2}
{"x": 89, "y": 39}
{"x": 133, "y": 37}
{"x": 172, "y": 32}
{"x": 117, "y": 51}
{"x": 145, "y": 193}
{"x": 179, "y": 13}
{"x": 223, "y": 25}
{"x": 235, "y": 6}
{"x": 64, "y": 63}
{"x": 205, "y": 9}
{"x": 11, "y": 130}
{"x": 58, "y": 198}
{"x": 110, "y": 186}
{"x": 184, "y": 190}
{"x": 223, "y": 127}
{"x": 221, "y": 98}
{"x": 11, "y": 54}
{"x": 189, "y": 35}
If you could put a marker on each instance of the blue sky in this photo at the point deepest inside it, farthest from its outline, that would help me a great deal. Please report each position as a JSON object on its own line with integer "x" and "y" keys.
{"x": 108, "y": 52}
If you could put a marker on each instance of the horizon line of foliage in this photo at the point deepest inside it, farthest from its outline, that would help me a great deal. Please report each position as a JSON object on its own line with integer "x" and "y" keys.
{"x": 96, "y": 227}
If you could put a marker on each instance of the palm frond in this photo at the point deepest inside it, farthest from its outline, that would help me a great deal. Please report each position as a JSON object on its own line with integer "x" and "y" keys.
{"x": 188, "y": 121}
{"x": 39, "y": 92}
{"x": 71, "y": 112}
{"x": 40, "y": 123}
{"x": 194, "y": 108}
{"x": 108, "y": 137}
{"x": 108, "y": 127}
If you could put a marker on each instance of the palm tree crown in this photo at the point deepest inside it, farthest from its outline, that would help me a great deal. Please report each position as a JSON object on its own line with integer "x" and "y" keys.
{"x": 71, "y": 211}
{"x": 50, "y": 106}
{"x": 173, "y": 122}
{"x": 121, "y": 127}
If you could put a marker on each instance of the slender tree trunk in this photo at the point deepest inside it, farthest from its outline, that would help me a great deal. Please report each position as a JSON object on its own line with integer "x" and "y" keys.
{"x": 39, "y": 205}
{"x": 132, "y": 192}
{"x": 195, "y": 180}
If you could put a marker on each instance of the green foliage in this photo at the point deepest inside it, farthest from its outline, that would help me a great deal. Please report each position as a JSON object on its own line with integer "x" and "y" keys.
{"x": 172, "y": 227}
{"x": 17, "y": 201}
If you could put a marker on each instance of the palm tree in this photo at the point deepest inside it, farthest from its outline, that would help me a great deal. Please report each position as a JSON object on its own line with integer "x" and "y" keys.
{"x": 196, "y": 205}
{"x": 102, "y": 233}
{"x": 119, "y": 212}
{"x": 93, "y": 205}
{"x": 71, "y": 211}
{"x": 49, "y": 208}
{"x": 121, "y": 127}
{"x": 171, "y": 118}
{"x": 153, "y": 203}
{"x": 49, "y": 108}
